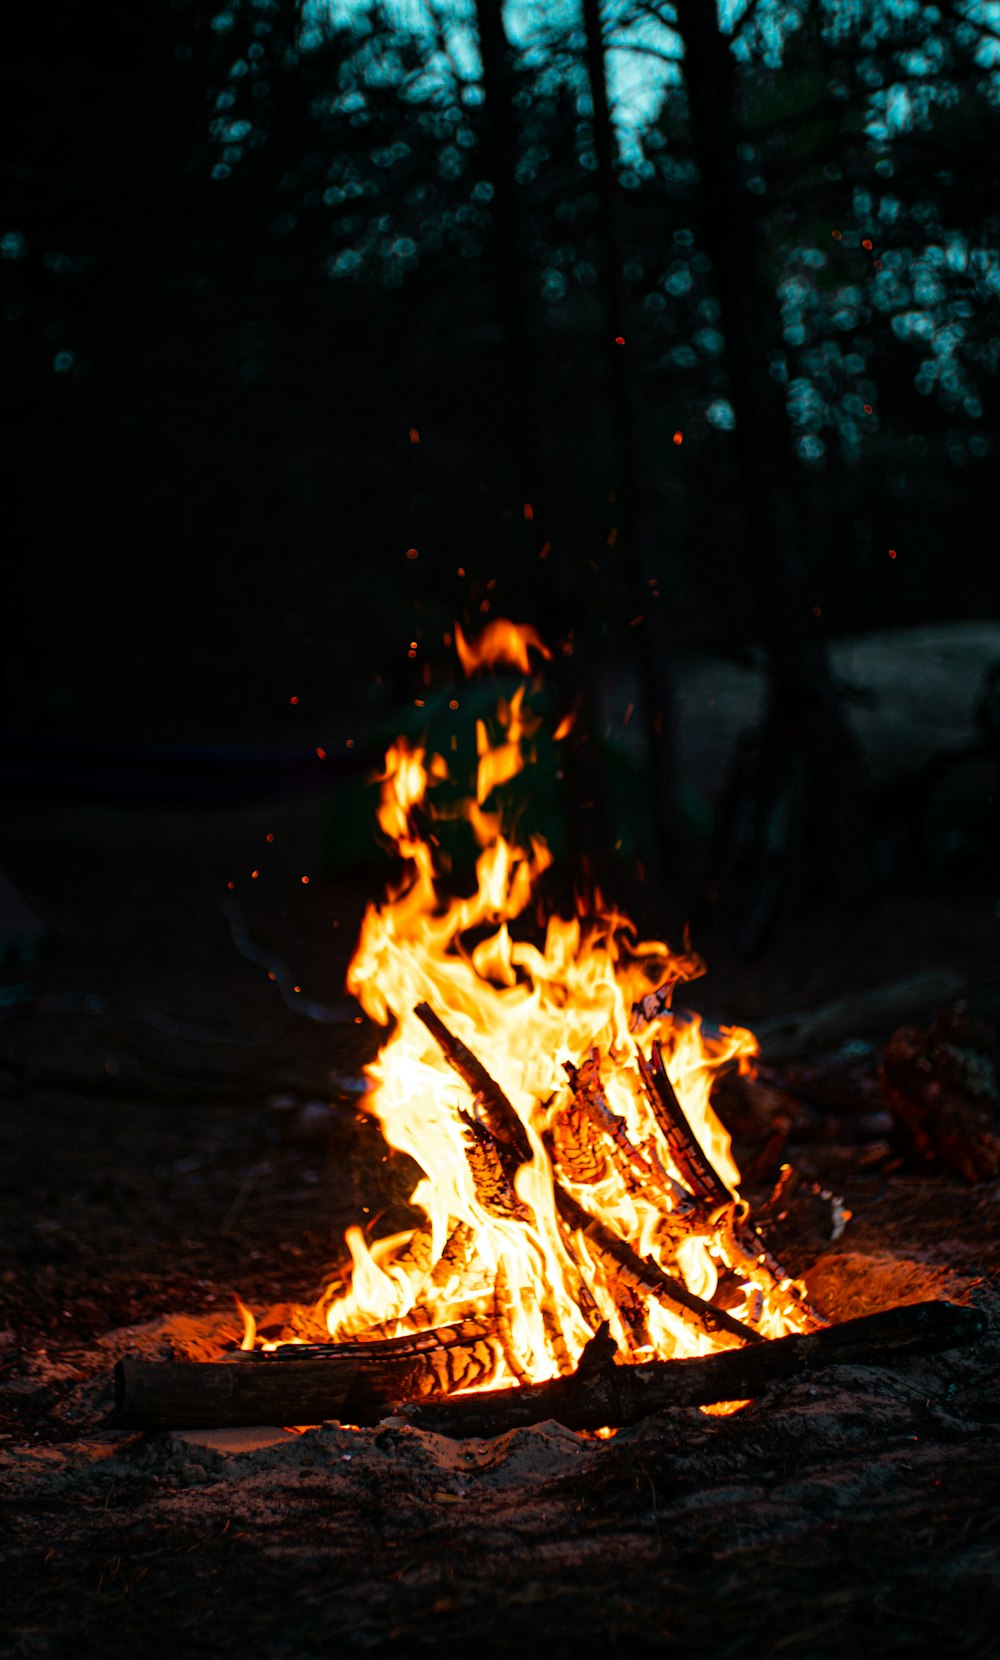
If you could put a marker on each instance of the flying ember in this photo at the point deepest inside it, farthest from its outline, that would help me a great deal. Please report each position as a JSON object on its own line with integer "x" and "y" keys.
{"x": 556, "y": 1102}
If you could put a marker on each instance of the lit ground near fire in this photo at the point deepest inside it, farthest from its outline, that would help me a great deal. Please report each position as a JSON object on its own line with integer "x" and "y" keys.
{"x": 163, "y": 1153}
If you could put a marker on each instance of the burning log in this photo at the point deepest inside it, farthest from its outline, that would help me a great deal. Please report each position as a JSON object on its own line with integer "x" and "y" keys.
{"x": 500, "y": 1118}
{"x": 698, "y": 1173}
{"x": 571, "y": 1146}
{"x": 635, "y": 1166}
{"x": 652, "y": 1007}
{"x": 494, "y": 1188}
{"x": 742, "y": 1250}
{"x": 599, "y": 1393}
{"x": 357, "y": 1382}
{"x": 646, "y": 1275}
{"x": 361, "y": 1383}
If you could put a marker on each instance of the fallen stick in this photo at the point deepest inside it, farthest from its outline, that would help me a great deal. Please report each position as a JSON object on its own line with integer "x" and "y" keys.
{"x": 594, "y": 1397}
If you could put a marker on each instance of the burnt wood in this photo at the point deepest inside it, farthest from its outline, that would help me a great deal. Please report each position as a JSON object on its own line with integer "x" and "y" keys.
{"x": 699, "y": 1174}
{"x": 647, "y": 1275}
{"x": 356, "y": 1382}
{"x": 360, "y": 1383}
{"x": 606, "y": 1394}
{"x": 499, "y": 1115}
{"x": 634, "y": 1164}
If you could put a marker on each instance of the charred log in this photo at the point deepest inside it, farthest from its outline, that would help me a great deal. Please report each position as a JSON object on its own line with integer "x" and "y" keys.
{"x": 606, "y": 1394}
{"x": 498, "y": 1114}
{"x": 646, "y": 1275}
{"x": 635, "y": 1166}
{"x": 696, "y": 1170}
{"x": 494, "y": 1188}
{"x": 361, "y": 1383}
{"x": 356, "y": 1382}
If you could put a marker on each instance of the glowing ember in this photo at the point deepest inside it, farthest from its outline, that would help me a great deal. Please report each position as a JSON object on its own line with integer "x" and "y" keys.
{"x": 558, "y": 1106}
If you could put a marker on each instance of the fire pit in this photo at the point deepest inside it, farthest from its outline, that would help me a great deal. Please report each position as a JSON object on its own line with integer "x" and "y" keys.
{"x": 849, "y": 1502}
{"x": 585, "y": 1252}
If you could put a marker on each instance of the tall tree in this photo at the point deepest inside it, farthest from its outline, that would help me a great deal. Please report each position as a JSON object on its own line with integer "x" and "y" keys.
{"x": 632, "y": 465}
{"x": 560, "y": 607}
{"x": 809, "y": 787}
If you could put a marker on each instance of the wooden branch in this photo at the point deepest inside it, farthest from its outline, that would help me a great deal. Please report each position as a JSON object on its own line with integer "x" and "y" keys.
{"x": 647, "y": 1275}
{"x": 499, "y": 1115}
{"x": 358, "y": 1382}
{"x": 698, "y": 1172}
{"x": 619, "y": 1395}
{"x": 635, "y": 1167}
{"x": 494, "y": 1188}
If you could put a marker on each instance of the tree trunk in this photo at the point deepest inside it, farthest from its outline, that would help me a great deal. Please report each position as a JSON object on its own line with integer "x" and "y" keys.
{"x": 558, "y": 609}
{"x": 810, "y": 774}
{"x": 632, "y": 465}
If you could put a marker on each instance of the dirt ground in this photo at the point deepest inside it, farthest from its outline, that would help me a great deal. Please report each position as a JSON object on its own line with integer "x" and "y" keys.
{"x": 171, "y": 1133}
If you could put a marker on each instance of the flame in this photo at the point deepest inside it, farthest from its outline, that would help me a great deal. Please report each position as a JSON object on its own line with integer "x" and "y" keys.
{"x": 570, "y": 1027}
{"x": 501, "y": 642}
{"x": 249, "y": 1324}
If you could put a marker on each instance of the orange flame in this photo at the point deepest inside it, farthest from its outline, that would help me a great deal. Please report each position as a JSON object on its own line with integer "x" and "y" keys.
{"x": 249, "y": 1324}
{"x": 585, "y": 1000}
{"x": 501, "y": 642}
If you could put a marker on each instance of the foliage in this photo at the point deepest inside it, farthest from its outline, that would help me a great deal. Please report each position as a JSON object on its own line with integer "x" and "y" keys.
{"x": 245, "y": 253}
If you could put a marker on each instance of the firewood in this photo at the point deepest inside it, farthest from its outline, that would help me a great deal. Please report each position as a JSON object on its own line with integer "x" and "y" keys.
{"x": 454, "y": 1261}
{"x": 646, "y": 1275}
{"x": 499, "y": 1115}
{"x": 494, "y": 1188}
{"x": 606, "y": 1394}
{"x": 486, "y": 1147}
{"x": 356, "y": 1382}
{"x": 360, "y": 1383}
{"x": 697, "y": 1171}
{"x": 652, "y": 1007}
{"x": 571, "y": 1146}
{"x": 505, "y": 1314}
{"x": 634, "y": 1165}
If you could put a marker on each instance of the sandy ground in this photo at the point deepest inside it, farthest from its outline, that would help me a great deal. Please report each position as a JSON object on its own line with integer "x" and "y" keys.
{"x": 172, "y": 1132}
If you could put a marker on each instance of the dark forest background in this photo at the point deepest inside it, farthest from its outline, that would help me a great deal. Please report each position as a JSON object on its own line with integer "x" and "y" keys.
{"x": 318, "y": 336}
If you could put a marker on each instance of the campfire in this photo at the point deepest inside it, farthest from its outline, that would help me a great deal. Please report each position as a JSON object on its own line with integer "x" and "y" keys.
{"x": 581, "y": 1208}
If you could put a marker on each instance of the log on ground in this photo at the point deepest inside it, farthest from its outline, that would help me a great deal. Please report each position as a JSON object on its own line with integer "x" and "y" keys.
{"x": 360, "y": 1383}
{"x": 355, "y": 1381}
{"x": 611, "y": 1395}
